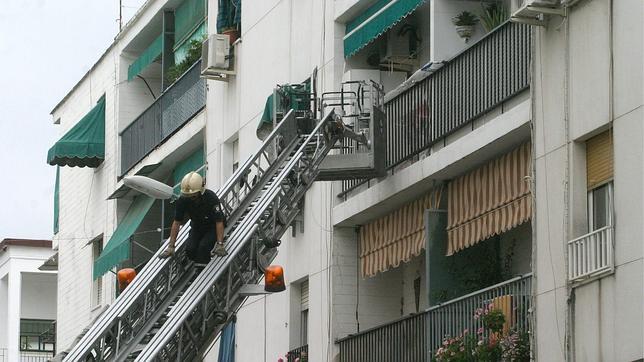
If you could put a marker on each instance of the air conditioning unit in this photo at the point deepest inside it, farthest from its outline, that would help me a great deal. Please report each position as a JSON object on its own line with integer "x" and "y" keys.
{"x": 534, "y": 12}
{"x": 216, "y": 58}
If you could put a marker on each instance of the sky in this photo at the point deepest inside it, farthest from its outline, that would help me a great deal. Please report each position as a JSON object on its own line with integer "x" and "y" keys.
{"x": 46, "y": 46}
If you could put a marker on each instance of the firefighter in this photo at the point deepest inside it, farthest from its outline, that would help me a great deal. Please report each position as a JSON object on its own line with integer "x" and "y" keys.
{"x": 202, "y": 207}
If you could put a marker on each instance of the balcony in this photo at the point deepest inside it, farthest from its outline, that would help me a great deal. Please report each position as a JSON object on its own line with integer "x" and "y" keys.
{"x": 474, "y": 82}
{"x": 591, "y": 254}
{"x": 418, "y": 336}
{"x": 175, "y": 107}
{"x": 299, "y": 354}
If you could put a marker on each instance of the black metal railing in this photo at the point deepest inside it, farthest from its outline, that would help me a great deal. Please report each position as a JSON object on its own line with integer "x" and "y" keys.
{"x": 299, "y": 354}
{"x": 174, "y": 107}
{"x": 491, "y": 71}
{"x": 401, "y": 340}
{"x": 418, "y": 336}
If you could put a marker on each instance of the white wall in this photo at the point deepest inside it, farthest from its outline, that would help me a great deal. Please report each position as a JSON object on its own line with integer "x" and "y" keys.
{"x": 606, "y": 313}
{"x": 445, "y": 42}
{"x": 84, "y": 211}
{"x": 38, "y": 296}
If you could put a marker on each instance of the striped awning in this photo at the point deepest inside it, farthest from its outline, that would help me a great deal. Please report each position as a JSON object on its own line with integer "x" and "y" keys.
{"x": 396, "y": 237}
{"x": 375, "y": 21}
{"x": 489, "y": 200}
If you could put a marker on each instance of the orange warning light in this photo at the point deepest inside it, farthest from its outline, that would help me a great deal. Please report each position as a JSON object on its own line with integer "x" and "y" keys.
{"x": 125, "y": 277}
{"x": 274, "y": 279}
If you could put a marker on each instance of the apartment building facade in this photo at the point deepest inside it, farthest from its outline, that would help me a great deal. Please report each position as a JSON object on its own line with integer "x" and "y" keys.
{"x": 379, "y": 268}
{"x": 27, "y": 300}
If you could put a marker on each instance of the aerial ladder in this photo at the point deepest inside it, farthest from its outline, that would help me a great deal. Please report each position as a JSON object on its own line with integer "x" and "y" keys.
{"x": 173, "y": 311}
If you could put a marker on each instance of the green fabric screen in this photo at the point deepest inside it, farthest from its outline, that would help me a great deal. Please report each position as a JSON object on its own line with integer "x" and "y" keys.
{"x": 190, "y": 163}
{"x": 228, "y": 15}
{"x": 187, "y": 18}
{"x": 56, "y": 199}
{"x": 149, "y": 55}
{"x": 361, "y": 31}
{"x": 118, "y": 247}
{"x": 84, "y": 144}
{"x": 199, "y": 35}
{"x": 297, "y": 99}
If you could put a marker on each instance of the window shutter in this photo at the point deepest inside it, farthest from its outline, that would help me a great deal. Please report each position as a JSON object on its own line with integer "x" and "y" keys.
{"x": 305, "y": 295}
{"x": 599, "y": 159}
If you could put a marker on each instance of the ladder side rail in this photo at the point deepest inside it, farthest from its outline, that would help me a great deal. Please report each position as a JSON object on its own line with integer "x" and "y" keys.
{"x": 208, "y": 276}
{"x": 138, "y": 285}
{"x": 253, "y": 166}
{"x": 190, "y": 300}
{"x": 147, "y": 275}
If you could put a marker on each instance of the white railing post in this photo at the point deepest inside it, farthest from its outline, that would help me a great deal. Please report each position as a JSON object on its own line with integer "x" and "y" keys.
{"x": 590, "y": 254}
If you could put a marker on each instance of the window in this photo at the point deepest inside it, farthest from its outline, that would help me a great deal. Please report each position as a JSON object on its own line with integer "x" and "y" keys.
{"x": 600, "y": 206}
{"x": 97, "y": 285}
{"x": 235, "y": 155}
{"x": 36, "y": 335}
{"x": 304, "y": 317}
{"x": 599, "y": 176}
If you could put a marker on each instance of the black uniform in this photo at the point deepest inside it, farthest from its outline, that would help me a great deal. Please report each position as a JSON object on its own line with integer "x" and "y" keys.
{"x": 203, "y": 213}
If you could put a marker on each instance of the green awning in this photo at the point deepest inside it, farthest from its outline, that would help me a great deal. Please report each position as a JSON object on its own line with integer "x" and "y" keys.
{"x": 84, "y": 144}
{"x": 190, "y": 163}
{"x": 187, "y": 18}
{"x": 297, "y": 98}
{"x": 181, "y": 52}
{"x": 149, "y": 55}
{"x": 118, "y": 247}
{"x": 56, "y": 200}
{"x": 375, "y": 21}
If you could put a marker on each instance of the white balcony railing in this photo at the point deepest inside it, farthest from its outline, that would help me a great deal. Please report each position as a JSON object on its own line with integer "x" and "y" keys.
{"x": 590, "y": 254}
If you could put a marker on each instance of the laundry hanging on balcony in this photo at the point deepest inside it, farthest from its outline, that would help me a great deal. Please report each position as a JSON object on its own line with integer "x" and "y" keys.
{"x": 375, "y": 21}
{"x": 149, "y": 56}
{"x": 117, "y": 248}
{"x": 489, "y": 200}
{"x": 84, "y": 144}
{"x": 397, "y": 237}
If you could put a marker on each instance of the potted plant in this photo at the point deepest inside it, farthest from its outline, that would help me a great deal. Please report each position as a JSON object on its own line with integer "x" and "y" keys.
{"x": 494, "y": 14}
{"x": 464, "y": 23}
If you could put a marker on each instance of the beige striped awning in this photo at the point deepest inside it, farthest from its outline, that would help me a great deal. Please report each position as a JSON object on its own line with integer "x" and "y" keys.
{"x": 396, "y": 237}
{"x": 489, "y": 200}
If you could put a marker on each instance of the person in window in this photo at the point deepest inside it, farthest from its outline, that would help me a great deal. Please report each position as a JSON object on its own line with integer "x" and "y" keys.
{"x": 203, "y": 209}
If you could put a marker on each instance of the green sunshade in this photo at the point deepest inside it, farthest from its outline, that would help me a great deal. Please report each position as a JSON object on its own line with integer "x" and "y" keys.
{"x": 181, "y": 52}
{"x": 190, "y": 163}
{"x": 297, "y": 99}
{"x": 118, "y": 247}
{"x": 84, "y": 144}
{"x": 375, "y": 21}
{"x": 149, "y": 55}
{"x": 187, "y": 18}
{"x": 56, "y": 199}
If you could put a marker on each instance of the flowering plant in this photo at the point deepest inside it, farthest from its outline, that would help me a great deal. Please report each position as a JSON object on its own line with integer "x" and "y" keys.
{"x": 487, "y": 344}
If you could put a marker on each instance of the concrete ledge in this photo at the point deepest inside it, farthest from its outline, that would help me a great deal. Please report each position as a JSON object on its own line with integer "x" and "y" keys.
{"x": 498, "y": 135}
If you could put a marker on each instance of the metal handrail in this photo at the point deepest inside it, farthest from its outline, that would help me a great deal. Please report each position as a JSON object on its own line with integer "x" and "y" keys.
{"x": 473, "y": 82}
{"x": 589, "y": 234}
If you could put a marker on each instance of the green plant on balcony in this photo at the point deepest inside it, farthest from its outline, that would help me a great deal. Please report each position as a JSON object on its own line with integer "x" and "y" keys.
{"x": 488, "y": 343}
{"x": 194, "y": 54}
{"x": 464, "y": 23}
{"x": 494, "y": 14}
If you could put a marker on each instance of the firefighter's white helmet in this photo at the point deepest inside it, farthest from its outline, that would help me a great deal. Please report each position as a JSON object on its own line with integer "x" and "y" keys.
{"x": 192, "y": 184}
